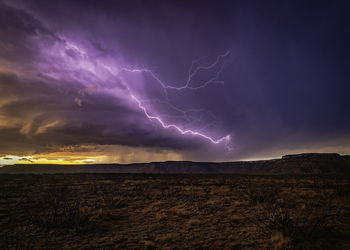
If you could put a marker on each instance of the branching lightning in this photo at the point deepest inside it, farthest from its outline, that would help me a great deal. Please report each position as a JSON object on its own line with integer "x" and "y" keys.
{"x": 187, "y": 86}
{"x": 86, "y": 67}
{"x": 191, "y": 74}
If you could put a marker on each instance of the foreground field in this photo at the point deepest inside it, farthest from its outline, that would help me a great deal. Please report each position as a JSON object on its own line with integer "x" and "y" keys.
{"x": 174, "y": 211}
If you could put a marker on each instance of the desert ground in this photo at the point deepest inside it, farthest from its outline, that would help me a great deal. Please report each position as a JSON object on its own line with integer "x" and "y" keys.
{"x": 158, "y": 211}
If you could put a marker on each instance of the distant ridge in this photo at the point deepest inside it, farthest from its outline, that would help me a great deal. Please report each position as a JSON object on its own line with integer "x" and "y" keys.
{"x": 311, "y": 163}
{"x": 312, "y": 156}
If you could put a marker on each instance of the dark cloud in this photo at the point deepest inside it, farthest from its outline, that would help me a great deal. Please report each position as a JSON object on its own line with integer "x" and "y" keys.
{"x": 18, "y": 31}
{"x": 286, "y": 80}
{"x": 26, "y": 159}
{"x": 38, "y": 114}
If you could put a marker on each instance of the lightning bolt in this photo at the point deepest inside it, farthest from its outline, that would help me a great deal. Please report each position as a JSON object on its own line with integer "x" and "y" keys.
{"x": 183, "y": 132}
{"x": 85, "y": 63}
{"x": 187, "y": 86}
{"x": 191, "y": 74}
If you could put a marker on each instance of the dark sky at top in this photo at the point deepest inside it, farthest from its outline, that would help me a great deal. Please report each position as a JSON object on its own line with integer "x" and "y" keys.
{"x": 286, "y": 80}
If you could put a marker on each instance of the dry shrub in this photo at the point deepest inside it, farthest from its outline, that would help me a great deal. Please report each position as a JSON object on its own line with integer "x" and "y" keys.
{"x": 60, "y": 210}
{"x": 302, "y": 233}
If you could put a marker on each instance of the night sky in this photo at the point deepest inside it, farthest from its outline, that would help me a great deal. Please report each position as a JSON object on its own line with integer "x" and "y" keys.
{"x": 138, "y": 81}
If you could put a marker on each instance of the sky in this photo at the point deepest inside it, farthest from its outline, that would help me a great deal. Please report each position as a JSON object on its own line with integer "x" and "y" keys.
{"x": 112, "y": 81}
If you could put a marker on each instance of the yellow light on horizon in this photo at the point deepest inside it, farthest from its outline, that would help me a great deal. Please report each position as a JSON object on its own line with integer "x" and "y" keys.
{"x": 14, "y": 159}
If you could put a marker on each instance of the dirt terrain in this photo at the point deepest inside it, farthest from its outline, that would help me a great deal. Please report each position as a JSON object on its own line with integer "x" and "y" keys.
{"x": 145, "y": 211}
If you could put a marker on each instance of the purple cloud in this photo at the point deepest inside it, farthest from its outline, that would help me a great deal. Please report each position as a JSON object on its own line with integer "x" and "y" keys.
{"x": 80, "y": 73}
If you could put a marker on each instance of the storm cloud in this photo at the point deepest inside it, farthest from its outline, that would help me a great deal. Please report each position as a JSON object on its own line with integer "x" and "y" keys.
{"x": 282, "y": 88}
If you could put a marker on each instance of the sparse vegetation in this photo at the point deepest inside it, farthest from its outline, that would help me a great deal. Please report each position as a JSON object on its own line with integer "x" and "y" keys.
{"x": 174, "y": 211}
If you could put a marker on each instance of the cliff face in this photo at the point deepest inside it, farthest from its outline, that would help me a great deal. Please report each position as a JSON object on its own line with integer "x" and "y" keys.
{"x": 312, "y": 164}
{"x": 289, "y": 164}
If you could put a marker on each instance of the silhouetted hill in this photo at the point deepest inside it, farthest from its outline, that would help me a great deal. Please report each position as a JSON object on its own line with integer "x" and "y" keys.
{"x": 313, "y": 163}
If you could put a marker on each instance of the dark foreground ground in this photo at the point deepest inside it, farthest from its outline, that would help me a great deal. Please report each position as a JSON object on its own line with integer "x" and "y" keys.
{"x": 89, "y": 211}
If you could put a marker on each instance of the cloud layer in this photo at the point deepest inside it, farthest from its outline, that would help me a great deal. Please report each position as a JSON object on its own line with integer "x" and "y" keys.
{"x": 62, "y": 83}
